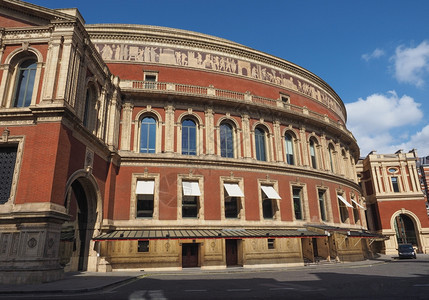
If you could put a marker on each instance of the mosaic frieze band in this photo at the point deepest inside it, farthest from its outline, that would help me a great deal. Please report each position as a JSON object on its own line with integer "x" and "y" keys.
{"x": 209, "y": 61}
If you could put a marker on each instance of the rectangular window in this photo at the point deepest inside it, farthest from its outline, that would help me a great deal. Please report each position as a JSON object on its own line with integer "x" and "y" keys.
{"x": 343, "y": 204}
{"x": 233, "y": 194}
{"x": 271, "y": 244}
{"x": 395, "y": 184}
{"x": 7, "y": 167}
{"x": 150, "y": 79}
{"x": 285, "y": 99}
{"x": 143, "y": 246}
{"x": 268, "y": 195}
{"x": 322, "y": 204}
{"x": 355, "y": 213}
{"x": 145, "y": 198}
{"x": 297, "y": 203}
{"x": 190, "y": 199}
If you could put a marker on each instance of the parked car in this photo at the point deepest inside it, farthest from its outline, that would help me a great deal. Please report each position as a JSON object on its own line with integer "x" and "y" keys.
{"x": 406, "y": 251}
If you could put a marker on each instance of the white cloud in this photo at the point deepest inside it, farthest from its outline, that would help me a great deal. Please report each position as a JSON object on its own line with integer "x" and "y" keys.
{"x": 412, "y": 64}
{"x": 419, "y": 141}
{"x": 375, "y": 54}
{"x": 373, "y": 120}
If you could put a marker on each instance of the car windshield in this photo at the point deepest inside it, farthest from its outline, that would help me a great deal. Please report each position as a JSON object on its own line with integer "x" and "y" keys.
{"x": 405, "y": 247}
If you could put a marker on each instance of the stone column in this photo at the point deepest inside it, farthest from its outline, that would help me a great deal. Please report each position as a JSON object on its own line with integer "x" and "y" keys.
{"x": 127, "y": 110}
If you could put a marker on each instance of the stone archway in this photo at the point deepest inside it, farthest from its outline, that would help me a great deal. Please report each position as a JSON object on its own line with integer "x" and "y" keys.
{"x": 82, "y": 202}
{"x": 405, "y": 229}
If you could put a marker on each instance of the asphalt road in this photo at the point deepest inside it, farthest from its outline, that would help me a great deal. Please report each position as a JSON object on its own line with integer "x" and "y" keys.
{"x": 399, "y": 279}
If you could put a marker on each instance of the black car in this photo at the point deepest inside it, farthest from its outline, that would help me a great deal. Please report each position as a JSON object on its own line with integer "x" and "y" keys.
{"x": 406, "y": 251}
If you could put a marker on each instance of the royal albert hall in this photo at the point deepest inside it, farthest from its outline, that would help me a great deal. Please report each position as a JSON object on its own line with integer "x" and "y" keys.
{"x": 130, "y": 147}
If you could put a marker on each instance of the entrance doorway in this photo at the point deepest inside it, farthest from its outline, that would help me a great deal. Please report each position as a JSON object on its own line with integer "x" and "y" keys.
{"x": 405, "y": 230}
{"x": 189, "y": 255}
{"x": 76, "y": 233}
{"x": 231, "y": 252}
{"x": 315, "y": 251}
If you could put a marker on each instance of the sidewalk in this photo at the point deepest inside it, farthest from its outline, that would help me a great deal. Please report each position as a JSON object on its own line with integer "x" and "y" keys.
{"x": 82, "y": 282}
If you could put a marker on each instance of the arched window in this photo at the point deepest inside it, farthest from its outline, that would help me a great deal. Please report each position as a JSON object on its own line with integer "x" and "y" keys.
{"x": 313, "y": 154}
{"x": 331, "y": 157}
{"x": 148, "y": 135}
{"x": 289, "y": 149}
{"x": 260, "y": 144}
{"x": 25, "y": 83}
{"x": 90, "y": 113}
{"x": 189, "y": 137}
{"x": 226, "y": 140}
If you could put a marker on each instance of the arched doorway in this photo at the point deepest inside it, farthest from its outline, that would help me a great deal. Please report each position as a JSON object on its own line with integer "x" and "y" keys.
{"x": 405, "y": 230}
{"x": 76, "y": 233}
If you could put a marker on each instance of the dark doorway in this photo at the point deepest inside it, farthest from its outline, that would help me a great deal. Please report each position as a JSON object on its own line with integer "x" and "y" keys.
{"x": 77, "y": 232}
{"x": 231, "y": 252}
{"x": 315, "y": 252}
{"x": 82, "y": 216}
{"x": 405, "y": 231}
{"x": 189, "y": 255}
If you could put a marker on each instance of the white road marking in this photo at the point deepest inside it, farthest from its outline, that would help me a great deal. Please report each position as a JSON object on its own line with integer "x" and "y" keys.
{"x": 421, "y": 284}
{"x": 151, "y": 295}
{"x": 195, "y": 290}
{"x": 238, "y": 290}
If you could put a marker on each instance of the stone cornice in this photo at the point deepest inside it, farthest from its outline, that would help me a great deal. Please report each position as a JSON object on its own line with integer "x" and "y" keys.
{"x": 35, "y": 11}
{"x": 173, "y": 160}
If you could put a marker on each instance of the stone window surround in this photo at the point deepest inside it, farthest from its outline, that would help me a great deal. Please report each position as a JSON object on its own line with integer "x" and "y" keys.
{"x": 195, "y": 178}
{"x": 240, "y": 181}
{"x": 342, "y": 193}
{"x": 148, "y": 112}
{"x": 8, "y": 82}
{"x": 133, "y": 201}
{"x": 304, "y": 201}
{"x": 276, "y": 202}
{"x": 328, "y": 204}
{"x": 18, "y": 141}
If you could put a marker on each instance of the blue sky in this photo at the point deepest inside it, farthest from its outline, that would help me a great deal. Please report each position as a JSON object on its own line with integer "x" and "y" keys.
{"x": 374, "y": 54}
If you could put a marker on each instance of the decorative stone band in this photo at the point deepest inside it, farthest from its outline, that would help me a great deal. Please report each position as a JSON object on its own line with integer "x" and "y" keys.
{"x": 192, "y": 58}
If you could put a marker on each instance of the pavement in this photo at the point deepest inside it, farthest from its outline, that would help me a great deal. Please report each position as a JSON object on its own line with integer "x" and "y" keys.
{"x": 84, "y": 282}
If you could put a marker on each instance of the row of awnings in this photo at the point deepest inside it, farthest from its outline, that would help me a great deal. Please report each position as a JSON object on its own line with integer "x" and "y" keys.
{"x": 191, "y": 188}
{"x": 207, "y": 234}
{"x": 341, "y": 198}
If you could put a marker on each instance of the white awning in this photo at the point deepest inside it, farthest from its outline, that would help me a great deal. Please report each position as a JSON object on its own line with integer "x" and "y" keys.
{"x": 344, "y": 201}
{"x": 191, "y": 188}
{"x": 270, "y": 192}
{"x": 355, "y": 202}
{"x": 145, "y": 187}
{"x": 233, "y": 190}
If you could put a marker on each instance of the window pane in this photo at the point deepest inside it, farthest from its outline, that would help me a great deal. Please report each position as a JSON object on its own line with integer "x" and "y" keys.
{"x": 267, "y": 208}
{"x": 313, "y": 154}
{"x": 231, "y": 207}
{"x": 297, "y": 203}
{"x": 148, "y": 135}
{"x": 260, "y": 144}
{"x": 189, "y": 137}
{"x": 226, "y": 141}
{"x": 144, "y": 206}
{"x": 322, "y": 205}
{"x": 7, "y": 167}
{"x": 289, "y": 149}
{"x": 190, "y": 206}
{"x": 395, "y": 184}
{"x": 25, "y": 83}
